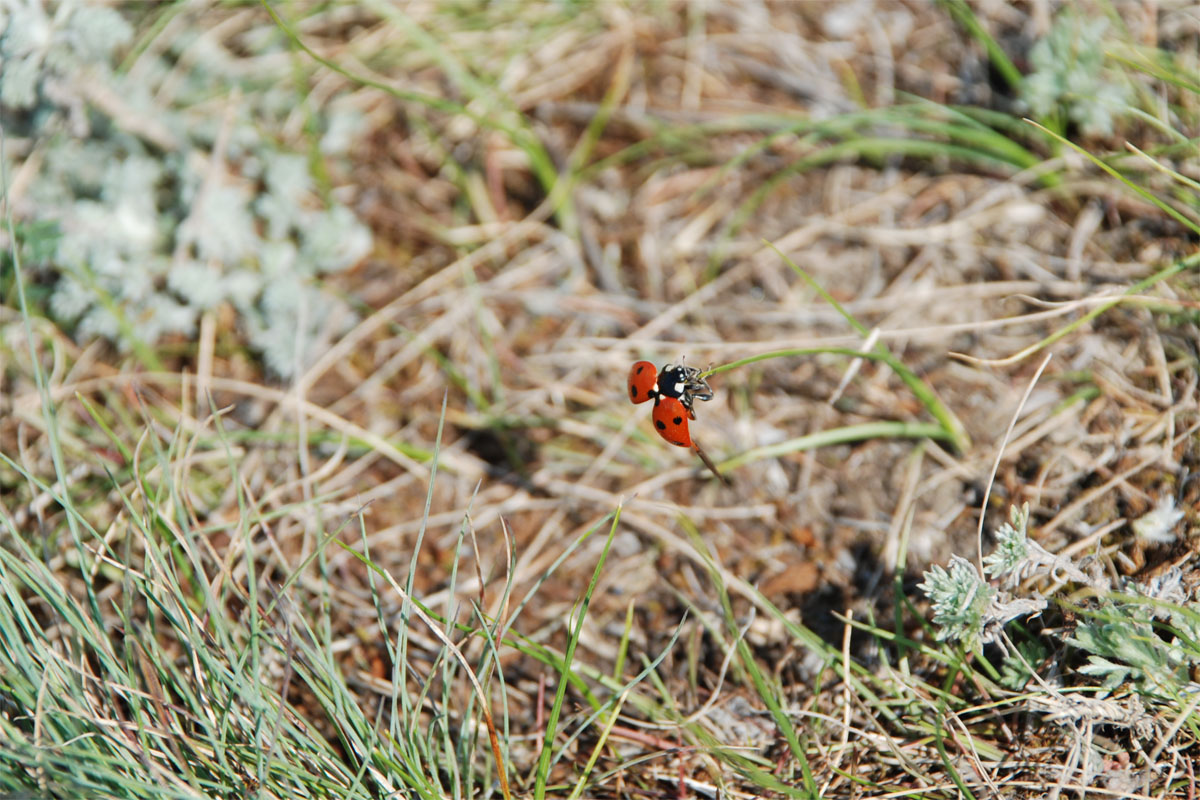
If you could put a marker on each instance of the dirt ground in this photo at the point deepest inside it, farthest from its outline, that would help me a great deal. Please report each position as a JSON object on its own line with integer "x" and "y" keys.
{"x": 519, "y": 312}
{"x": 957, "y": 268}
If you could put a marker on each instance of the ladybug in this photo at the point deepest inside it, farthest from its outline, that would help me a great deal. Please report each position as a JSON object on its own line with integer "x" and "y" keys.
{"x": 674, "y": 390}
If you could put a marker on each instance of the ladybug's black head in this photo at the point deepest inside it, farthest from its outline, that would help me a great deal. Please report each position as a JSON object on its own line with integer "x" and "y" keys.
{"x": 683, "y": 383}
{"x": 673, "y": 381}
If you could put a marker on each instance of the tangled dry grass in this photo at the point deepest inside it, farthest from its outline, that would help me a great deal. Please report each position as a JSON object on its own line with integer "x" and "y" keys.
{"x": 497, "y": 318}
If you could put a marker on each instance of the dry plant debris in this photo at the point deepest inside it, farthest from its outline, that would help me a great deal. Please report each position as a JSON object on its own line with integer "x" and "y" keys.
{"x": 556, "y": 190}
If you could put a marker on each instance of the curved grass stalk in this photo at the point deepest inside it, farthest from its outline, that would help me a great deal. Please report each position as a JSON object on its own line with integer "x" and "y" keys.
{"x": 850, "y": 433}
{"x": 1174, "y": 269}
{"x": 949, "y": 427}
{"x": 961, "y": 12}
{"x": 1145, "y": 194}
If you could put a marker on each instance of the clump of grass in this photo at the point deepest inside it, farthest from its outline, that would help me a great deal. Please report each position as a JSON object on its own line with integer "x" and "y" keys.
{"x": 149, "y": 664}
{"x": 948, "y": 428}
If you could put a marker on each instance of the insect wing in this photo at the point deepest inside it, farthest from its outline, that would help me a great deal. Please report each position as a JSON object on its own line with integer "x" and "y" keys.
{"x": 642, "y": 379}
{"x": 671, "y": 421}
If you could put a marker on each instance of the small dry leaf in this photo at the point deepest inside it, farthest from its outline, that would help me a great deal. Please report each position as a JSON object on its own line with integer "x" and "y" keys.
{"x": 796, "y": 578}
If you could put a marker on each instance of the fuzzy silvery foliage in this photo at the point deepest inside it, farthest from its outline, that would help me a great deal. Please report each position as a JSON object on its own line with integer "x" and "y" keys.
{"x": 1012, "y": 544}
{"x": 1157, "y": 526}
{"x": 967, "y": 608}
{"x": 1017, "y": 557}
{"x": 169, "y": 195}
{"x": 960, "y": 597}
{"x": 43, "y": 46}
{"x": 1146, "y": 633}
{"x": 1069, "y": 76}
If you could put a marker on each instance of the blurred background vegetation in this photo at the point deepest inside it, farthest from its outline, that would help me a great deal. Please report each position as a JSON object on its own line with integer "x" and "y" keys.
{"x": 317, "y": 478}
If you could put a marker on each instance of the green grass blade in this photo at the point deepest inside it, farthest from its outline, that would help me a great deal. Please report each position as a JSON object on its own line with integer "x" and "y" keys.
{"x": 765, "y": 691}
{"x": 1190, "y": 262}
{"x": 849, "y": 433}
{"x": 961, "y": 12}
{"x": 542, "y": 771}
{"x": 937, "y": 409}
{"x": 1144, "y": 193}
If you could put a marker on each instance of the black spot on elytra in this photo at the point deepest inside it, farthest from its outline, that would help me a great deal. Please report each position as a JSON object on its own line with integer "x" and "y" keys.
{"x": 633, "y": 392}
{"x": 678, "y": 420}
{"x": 662, "y": 426}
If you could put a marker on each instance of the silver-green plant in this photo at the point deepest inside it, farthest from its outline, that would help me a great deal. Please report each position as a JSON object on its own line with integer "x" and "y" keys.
{"x": 960, "y": 598}
{"x": 966, "y": 607}
{"x": 168, "y": 191}
{"x": 1148, "y": 634}
{"x": 1145, "y": 634}
{"x": 1124, "y": 646}
{"x": 1070, "y": 78}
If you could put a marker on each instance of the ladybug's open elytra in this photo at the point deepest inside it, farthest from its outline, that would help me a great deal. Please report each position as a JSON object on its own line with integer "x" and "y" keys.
{"x": 643, "y": 382}
{"x": 671, "y": 420}
{"x": 673, "y": 390}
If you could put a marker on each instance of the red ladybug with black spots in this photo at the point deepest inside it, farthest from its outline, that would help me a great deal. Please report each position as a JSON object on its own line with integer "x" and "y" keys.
{"x": 674, "y": 390}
